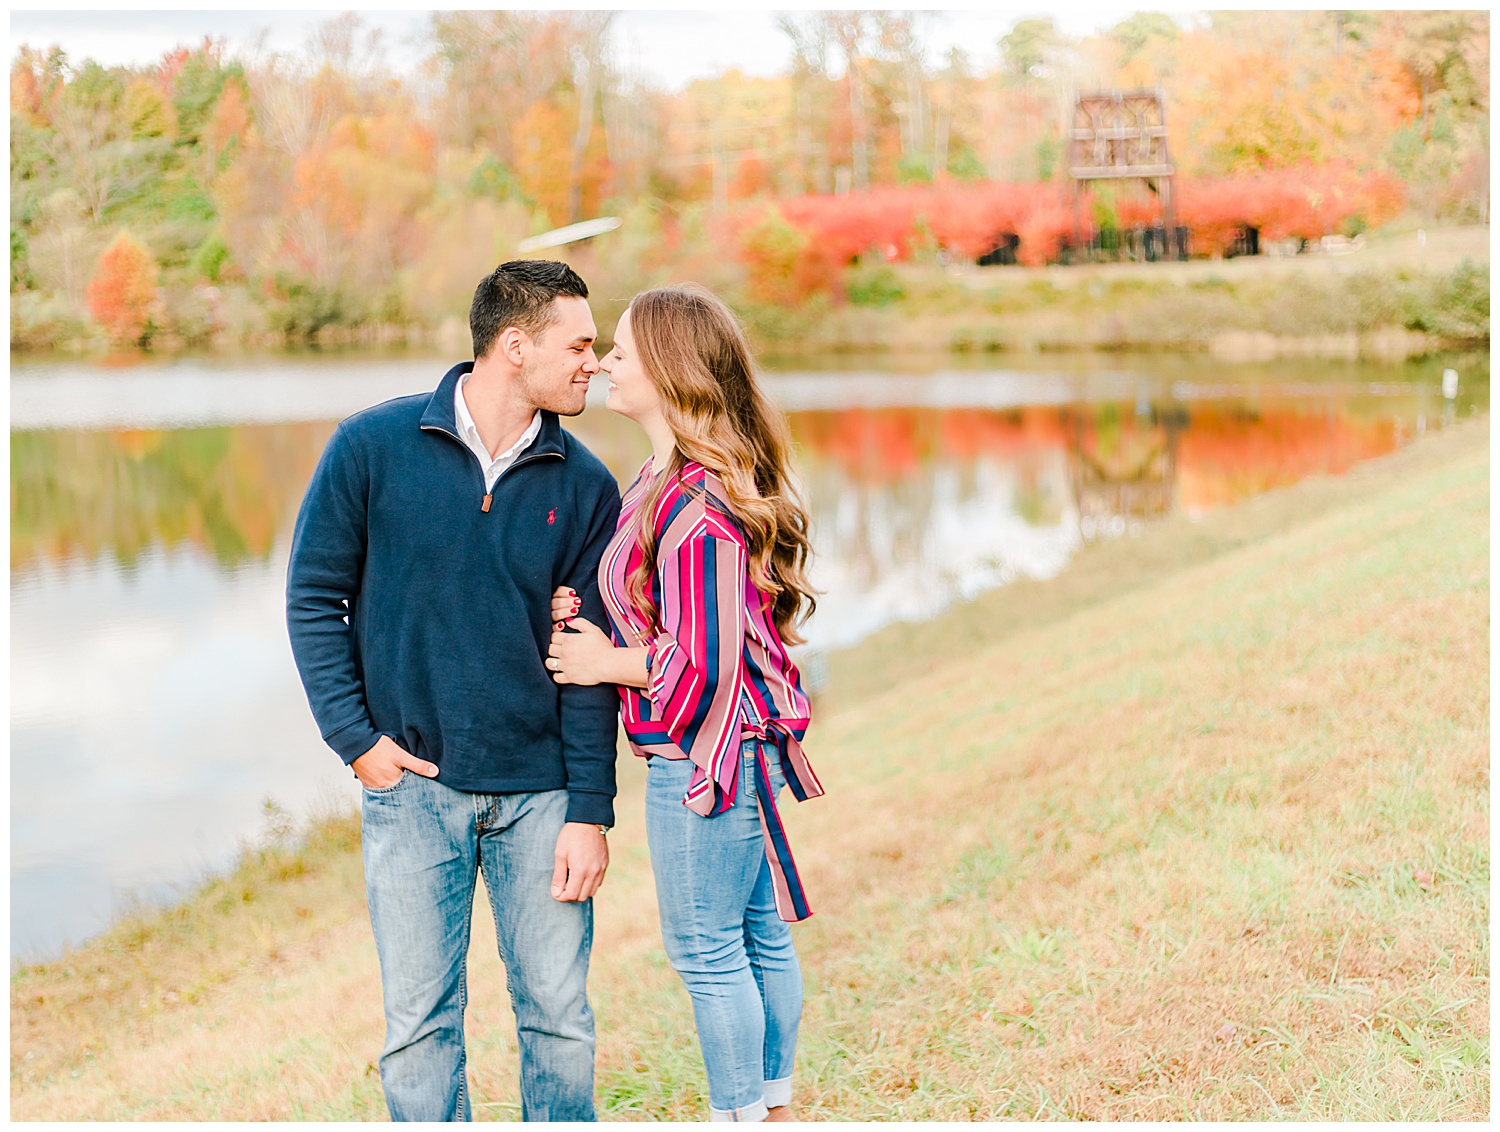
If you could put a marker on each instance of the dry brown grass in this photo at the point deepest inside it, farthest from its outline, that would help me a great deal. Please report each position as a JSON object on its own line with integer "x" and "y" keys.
{"x": 1200, "y": 831}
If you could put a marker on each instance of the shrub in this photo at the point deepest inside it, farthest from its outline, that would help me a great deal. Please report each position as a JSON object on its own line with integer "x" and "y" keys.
{"x": 189, "y": 311}
{"x": 1457, "y": 306}
{"x": 969, "y": 220}
{"x": 20, "y": 267}
{"x": 771, "y": 250}
{"x": 843, "y": 228}
{"x": 302, "y": 309}
{"x": 210, "y": 259}
{"x": 873, "y": 286}
{"x": 42, "y": 319}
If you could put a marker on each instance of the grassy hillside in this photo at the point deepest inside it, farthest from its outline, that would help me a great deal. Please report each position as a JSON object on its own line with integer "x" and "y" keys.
{"x": 1198, "y": 830}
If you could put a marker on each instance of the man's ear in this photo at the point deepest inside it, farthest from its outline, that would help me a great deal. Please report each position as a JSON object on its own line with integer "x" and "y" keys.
{"x": 511, "y": 345}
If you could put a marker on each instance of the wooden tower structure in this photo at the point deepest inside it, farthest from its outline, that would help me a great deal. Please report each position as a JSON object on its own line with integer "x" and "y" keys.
{"x": 1121, "y": 135}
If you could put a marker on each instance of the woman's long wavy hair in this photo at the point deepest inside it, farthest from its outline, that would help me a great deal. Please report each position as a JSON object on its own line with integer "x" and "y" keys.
{"x": 694, "y": 352}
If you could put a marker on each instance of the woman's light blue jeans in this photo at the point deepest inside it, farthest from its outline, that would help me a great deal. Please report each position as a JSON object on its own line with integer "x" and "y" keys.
{"x": 723, "y": 936}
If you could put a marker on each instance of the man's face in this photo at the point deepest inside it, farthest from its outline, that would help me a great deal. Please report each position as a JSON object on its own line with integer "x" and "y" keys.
{"x": 560, "y": 360}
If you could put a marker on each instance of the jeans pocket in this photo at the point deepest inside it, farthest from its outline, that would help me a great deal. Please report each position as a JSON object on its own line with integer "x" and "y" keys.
{"x": 393, "y": 787}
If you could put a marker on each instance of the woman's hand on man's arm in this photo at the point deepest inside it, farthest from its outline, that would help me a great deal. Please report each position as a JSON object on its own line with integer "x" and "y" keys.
{"x": 565, "y": 604}
{"x": 587, "y": 655}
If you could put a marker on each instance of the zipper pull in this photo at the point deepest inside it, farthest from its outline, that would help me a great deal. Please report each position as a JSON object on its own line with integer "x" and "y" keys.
{"x": 488, "y": 499}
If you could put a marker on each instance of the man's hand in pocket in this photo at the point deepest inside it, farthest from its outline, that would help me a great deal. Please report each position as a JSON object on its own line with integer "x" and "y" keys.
{"x": 380, "y": 767}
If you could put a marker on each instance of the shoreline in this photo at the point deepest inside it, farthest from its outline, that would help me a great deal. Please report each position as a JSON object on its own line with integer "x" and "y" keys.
{"x": 1391, "y": 300}
{"x": 996, "y": 337}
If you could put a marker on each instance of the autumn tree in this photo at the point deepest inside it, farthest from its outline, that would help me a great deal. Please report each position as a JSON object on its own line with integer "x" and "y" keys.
{"x": 123, "y": 289}
{"x": 321, "y": 177}
{"x": 1034, "y": 86}
{"x": 1443, "y": 54}
{"x": 1026, "y": 49}
{"x": 1146, "y": 43}
{"x": 957, "y": 130}
{"x": 91, "y": 140}
{"x": 811, "y": 96}
{"x": 904, "y": 87}
{"x": 506, "y": 75}
{"x": 851, "y": 31}
{"x": 589, "y": 76}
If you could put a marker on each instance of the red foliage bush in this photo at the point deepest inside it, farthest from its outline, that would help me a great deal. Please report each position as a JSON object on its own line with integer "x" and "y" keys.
{"x": 970, "y": 219}
{"x": 881, "y": 219}
{"x": 123, "y": 289}
{"x": 1306, "y": 202}
{"x": 966, "y": 219}
{"x": 1142, "y": 209}
{"x": 1043, "y": 231}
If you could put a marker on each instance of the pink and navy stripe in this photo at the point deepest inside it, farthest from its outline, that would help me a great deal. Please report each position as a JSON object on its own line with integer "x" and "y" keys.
{"x": 719, "y": 672}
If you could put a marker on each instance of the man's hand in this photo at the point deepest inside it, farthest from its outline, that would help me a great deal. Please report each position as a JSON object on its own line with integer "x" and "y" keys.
{"x": 381, "y": 765}
{"x": 582, "y": 856}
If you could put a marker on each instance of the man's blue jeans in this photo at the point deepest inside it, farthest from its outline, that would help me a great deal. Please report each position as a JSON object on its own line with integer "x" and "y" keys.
{"x": 424, "y": 843}
{"x": 723, "y": 936}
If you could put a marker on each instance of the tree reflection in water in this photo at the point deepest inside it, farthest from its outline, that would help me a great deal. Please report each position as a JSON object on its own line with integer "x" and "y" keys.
{"x": 228, "y": 491}
{"x": 913, "y": 507}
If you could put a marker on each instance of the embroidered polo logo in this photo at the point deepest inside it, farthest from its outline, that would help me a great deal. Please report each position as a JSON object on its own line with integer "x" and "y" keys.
{"x": 552, "y": 516}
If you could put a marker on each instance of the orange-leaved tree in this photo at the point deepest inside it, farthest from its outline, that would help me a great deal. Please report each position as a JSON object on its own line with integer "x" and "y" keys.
{"x": 123, "y": 289}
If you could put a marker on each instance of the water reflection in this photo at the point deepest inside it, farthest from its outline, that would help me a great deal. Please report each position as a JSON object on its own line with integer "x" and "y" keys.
{"x": 915, "y": 508}
{"x": 81, "y": 495}
{"x": 153, "y": 707}
{"x": 154, "y": 700}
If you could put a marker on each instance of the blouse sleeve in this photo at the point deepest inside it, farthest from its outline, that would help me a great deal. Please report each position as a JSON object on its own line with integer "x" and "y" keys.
{"x": 694, "y": 664}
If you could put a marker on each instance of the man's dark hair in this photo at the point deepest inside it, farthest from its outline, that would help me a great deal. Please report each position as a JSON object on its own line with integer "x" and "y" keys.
{"x": 520, "y": 293}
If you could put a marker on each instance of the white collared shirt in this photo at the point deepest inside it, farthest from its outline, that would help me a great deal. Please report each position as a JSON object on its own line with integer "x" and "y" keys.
{"x": 492, "y": 466}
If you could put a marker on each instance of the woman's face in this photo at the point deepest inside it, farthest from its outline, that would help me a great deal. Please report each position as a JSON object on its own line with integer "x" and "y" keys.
{"x": 631, "y": 393}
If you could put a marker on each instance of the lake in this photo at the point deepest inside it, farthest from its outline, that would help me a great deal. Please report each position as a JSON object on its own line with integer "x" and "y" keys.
{"x": 155, "y": 707}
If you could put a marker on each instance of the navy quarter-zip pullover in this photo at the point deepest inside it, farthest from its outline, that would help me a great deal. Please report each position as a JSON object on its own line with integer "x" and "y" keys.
{"x": 419, "y": 605}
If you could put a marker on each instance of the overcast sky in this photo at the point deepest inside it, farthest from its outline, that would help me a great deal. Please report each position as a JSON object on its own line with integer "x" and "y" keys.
{"x": 670, "y": 47}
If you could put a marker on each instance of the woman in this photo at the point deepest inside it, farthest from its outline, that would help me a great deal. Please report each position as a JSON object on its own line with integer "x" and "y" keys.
{"x": 703, "y": 583}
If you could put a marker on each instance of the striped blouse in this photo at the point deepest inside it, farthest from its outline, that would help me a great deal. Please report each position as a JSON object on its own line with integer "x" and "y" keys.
{"x": 718, "y": 671}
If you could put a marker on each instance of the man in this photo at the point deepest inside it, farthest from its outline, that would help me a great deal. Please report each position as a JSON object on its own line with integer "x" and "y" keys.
{"x": 429, "y": 543}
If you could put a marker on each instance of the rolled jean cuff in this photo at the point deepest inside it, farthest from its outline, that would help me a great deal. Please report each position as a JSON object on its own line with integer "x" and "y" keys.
{"x": 778, "y": 1092}
{"x": 750, "y": 1114}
